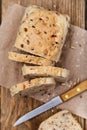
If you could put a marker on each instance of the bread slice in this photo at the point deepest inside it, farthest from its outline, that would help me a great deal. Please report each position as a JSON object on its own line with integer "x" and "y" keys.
{"x": 56, "y": 72}
{"x": 42, "y": 32}
{"x": 63, "y": 120}
{"x": 26, "y": 58}
{"x": 32, "y": 84}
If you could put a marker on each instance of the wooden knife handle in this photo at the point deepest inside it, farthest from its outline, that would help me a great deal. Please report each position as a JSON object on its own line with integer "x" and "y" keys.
{"x": 74, "y": 91}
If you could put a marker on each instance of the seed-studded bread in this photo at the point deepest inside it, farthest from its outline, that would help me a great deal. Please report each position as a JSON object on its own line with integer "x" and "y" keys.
{"x": 34, "y": 83}
{"x": 42, "y": 32}
{"x": 26, "y": 58}
{"x": 61, "y": 121}
{"x": 56, "y": 72}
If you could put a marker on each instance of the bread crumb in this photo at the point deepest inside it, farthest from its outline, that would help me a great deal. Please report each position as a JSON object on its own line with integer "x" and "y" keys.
{"x": 78, "y": 80}
{"x": 74, "y": 83}
{"x": 77, "y": 34}
{"x": 54, "y": 5}
{"x": 63, "y": 84}
{"x": 52, "y": 110}
{"x": 80, "y": 53}
{"x": 76, "y": 42}
{"x": 72, "y": 47}
{"x": 77, "y": 66}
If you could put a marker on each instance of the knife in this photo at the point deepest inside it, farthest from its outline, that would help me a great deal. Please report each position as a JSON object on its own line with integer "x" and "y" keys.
{"x": 54, "y": 102}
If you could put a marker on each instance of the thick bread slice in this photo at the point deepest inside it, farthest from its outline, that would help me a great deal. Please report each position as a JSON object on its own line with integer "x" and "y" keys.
{"x": 26, "y": 58}
{"x": 56, "y": 72}
{"x": 42, "y": 32}
{"x": 61, "y": 121}
{"x": 32, "y": 84}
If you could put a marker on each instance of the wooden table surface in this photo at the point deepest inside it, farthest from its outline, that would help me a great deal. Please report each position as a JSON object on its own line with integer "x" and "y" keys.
{"x": 12, "y": 108}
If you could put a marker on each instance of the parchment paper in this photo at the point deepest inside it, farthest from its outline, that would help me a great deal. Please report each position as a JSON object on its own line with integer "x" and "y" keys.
{"x": 74, "y": 58}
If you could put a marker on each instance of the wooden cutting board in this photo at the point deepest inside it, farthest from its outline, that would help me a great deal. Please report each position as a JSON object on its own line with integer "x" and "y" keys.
{"x": 13, "y": 108}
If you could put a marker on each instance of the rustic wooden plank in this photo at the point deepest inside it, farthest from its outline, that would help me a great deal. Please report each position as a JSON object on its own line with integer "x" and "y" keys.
{"x": 85, "y": 125}
{"x": 75, "y": 8}
{"x": 39, "y": 2}
{"x": 12, "y": 108}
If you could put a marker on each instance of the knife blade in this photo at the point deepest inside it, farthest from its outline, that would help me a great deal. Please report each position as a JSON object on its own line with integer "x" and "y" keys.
{"x": 54, "y": 102}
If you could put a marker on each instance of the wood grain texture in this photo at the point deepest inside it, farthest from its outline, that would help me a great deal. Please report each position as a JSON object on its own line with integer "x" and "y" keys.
{"x": 74, "y": 8}
{"x": 13, "y": 108}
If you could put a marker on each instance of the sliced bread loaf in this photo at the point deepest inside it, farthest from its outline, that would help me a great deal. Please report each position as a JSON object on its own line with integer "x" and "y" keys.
{"x": 56, "y": 72}
{"x": 61, "y": 121}
{"x": 34, "y": 83}
{"x": 26, "y": 58}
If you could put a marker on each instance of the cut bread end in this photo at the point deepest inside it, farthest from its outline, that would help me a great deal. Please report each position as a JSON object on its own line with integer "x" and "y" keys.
{"x": 47, "y": 35}
{"x": 63, "y": 120}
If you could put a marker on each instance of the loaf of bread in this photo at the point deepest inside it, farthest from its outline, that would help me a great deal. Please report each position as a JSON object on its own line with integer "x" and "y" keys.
{"x": 26, "y": 58}
{"x": 42, "y": 32}
{"x": 34, "y": 83}
{"x": 61, "y": 121}
{"x": 56, "y": 72}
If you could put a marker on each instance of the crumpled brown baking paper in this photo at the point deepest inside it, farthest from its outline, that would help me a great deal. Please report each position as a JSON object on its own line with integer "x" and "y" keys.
{"x": 74, "y": 58}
